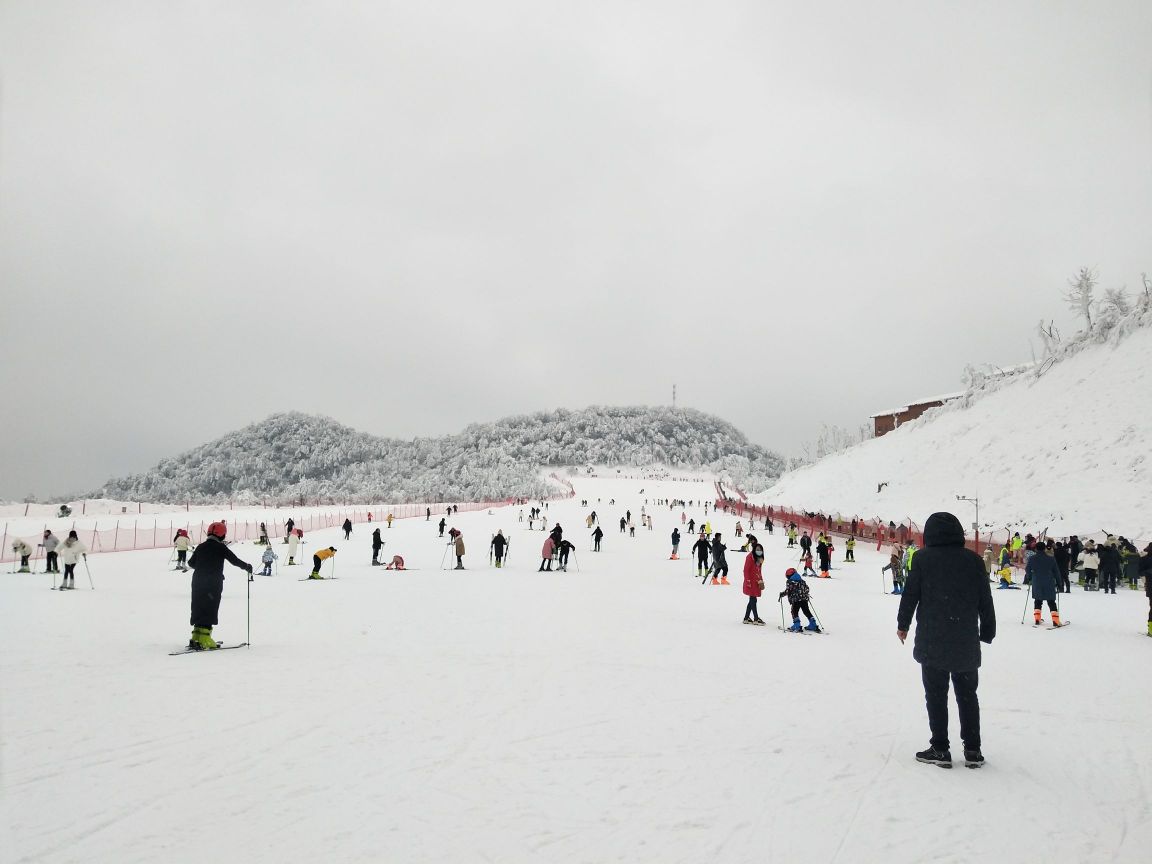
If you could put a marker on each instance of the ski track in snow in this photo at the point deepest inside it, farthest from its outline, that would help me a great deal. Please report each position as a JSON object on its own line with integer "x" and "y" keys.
{"x": 622, "y": 713}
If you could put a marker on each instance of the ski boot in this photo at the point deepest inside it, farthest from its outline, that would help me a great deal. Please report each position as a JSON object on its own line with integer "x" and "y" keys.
{"x": 973, "y": 758}
{"x": 315, "y": 575}
{"x": 202, "y": 639}
{"x": 715, "y": 581}
{"x": 1150, "y": 628}
{"x": 724, "y": 580}
{"x": 932, "y": 756}
{"x": 795, "y": 628}
{"x": 24, "y": 570}
{"x": 813, "y": 626}
{"x": 291, "y": 562}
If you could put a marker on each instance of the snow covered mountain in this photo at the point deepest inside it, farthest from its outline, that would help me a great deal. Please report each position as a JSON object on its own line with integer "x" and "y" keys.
{"x": 300, "y": 456}
{"x": 1063, "y": 444}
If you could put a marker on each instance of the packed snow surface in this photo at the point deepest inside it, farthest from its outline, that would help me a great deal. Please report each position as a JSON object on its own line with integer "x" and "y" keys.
{"x": 1068, "y": 451}
{"x": 617, "y": 712}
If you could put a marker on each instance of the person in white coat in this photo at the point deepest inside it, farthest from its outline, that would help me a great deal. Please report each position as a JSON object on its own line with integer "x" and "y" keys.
{"x": 71, "y": 551}
{"x": 293, "y": 542}
{"x": 23, "y": 552}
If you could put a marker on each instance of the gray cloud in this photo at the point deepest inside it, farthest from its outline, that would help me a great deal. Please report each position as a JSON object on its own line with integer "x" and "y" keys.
{"x": 415, "y": 216}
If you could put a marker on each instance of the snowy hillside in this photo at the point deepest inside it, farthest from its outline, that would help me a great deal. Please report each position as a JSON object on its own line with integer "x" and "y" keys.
{"x": 1064, "y": 446}
{"x": 616, "y": 712}
{"x": 297, "y": 456}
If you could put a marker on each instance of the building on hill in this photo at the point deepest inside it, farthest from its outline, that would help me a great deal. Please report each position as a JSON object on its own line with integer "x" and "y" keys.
{"x": 886, "y": 421}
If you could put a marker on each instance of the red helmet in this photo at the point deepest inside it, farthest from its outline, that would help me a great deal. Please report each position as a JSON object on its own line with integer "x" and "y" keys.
{"x": 218, "y": 529}
{"x": 180, "y": 532}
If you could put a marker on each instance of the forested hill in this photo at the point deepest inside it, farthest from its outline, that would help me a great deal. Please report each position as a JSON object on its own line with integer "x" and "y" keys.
{"x": 292, "y": 455}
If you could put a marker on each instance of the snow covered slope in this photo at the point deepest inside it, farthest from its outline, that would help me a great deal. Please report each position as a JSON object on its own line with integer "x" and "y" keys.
{"x": 617, "y": 712}
{"x": 1071, "y": 451}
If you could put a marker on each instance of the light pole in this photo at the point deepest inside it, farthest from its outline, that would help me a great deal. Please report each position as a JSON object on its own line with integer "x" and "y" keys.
{"x": 975, "y": 525}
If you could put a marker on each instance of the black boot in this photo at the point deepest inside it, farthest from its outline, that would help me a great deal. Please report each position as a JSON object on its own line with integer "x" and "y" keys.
{"x": 932, "y": 756}
{"x": 973, "y": 758}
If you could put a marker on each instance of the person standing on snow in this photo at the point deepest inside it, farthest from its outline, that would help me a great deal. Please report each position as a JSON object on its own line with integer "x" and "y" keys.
{"x": 459, "y": 549}
{"x": 1146, "y": 572}
{"x": 1061, "y": 554}
{"x": 949, "y": 594}
{"x": 71, "y": 551}
{"x": 293, "y": 543}
{"x": 498, "y": 544}
{"x": 563, "y": 550}
{"x": 753, "y": 583}
{"x": 1109, "y": 564}
{"x": 207, "y": 564}
{"x": 318, "y": 559}
{"x": 805, "y": 543}
{"x": 443, "y": 524}
{"x": 1044, "y": 576}
{"x": 798, "y": 594}
{"x": 597, "y": 536}
{"x": 377, "y": 545}
{"x": 675, "y": 545}
{"x": 719, "y": 562}
{"x": 183, "y": 544}
{"x": 824, "y": 553}
{"x": 347, "y": 526}
{"x": 702, "y": 550}
{"x": 546, "y": 553}
{"x": 23, "y": 552}
{"x": 691, "y": 526}
{"x": 288, "y": 526}
{"x": 267, "y": 558}
{"x": 51, "y": 562}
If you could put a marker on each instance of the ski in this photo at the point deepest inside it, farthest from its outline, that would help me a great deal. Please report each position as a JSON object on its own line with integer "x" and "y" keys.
{"x": 222, "y": 647}
{"x": 321, "y": 579}
{"x": 803, "y": 631}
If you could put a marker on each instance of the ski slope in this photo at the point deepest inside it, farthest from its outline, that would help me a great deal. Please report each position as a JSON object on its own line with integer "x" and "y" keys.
{"x": 1067, "y": 452}
{"x": 617, "y": 712}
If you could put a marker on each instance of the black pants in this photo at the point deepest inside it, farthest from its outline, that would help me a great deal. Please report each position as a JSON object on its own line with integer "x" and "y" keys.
{"x": 596, "y": 547}
{"x": 563, "y": 559}
{"x": 24, "y": 561}
{"x": 802, "y": 607}
{"x": 316, "y": 563}
{"x": 347, "y": 533}
{"x": 750, "y": 611}
{"x": 375, "y": 554}
{"x": 850, "y": 555}
{"x": 459, "y": 562}
{"x": 52, "y": 564}
{"x": 206, "y": 591}
{"x": 545, "y": 564}
{"x": 719, "y": 570}
{"x": 1149, "y": 605}
{"x": 1065, "y": 585}
{"x": 701, "y": 564}
{"x": 181, "y": 557}
{"x": 1089, "y": 576}
{"x": 936, "y": 700}
{"x": 70, "y": 573}
{"x": 1108, "y": 580}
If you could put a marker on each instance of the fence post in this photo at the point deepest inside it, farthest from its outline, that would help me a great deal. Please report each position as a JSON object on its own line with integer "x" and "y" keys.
{"x": 116, "y": 537}
{"x": 135, "y": 528}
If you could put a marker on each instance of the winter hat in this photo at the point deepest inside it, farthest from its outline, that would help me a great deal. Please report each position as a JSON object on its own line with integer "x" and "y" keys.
{"x": 72, "y": 536}
{"x": 331, "y": 548}
{"x": 791, "y": 574}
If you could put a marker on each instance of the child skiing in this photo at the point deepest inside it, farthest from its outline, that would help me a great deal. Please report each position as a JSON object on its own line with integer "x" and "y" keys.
{"x": 71, "y": 551}
{"x": 268, "y": 557}
{"x": 207, "y": 564}
{"x": 1005, "y": 572}
{"x": 701, "y": 548}
{"x": 753, "y": 583}
{"x": 183, "y": 544}
{"x": 807, "y": 560}
{"x": 318, "y": 559}
{"x": 850, "y": 549}
{"x": 798, "y": 595}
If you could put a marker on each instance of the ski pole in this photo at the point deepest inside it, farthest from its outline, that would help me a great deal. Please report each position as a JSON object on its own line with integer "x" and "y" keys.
{"x": 249, "y": 611}
{"x": 576, "y": 559}
{"x": 89, "y": 572}
{"x": 1027, "y": 598}
{"x": 815, "y": 615}
{"x": 780, "y": 600}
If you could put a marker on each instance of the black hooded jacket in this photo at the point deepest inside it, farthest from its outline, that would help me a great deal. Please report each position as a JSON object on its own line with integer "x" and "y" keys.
{"x": 948, "y": 591}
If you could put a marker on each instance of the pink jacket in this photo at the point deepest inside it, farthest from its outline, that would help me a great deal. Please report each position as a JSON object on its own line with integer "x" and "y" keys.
{"x": 549, "y": 548}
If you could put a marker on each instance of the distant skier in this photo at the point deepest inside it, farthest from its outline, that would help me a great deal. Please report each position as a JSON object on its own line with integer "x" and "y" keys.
{"x": 691, "y": 526}
{"x": 51, "y": 562}
{"x": 459, "y": 549}
{"x": 894, "y": 565}
{"x": 318, "y": 559}
{"x": 388, "y": 519}
{"x": 702, "y": 549}
{"x": 798, "y": 594}
{"x": 207, "y": 564}
{"x": 498, "y": 544}
{"x": 288, "y": 526}
{"x": 805, "y": 542}
{"x": 850, "y": 549}
{"x": 428, "y": 514}
{"x": 557, "y": 534}
{"x": 597, "y": 536}
{"x": 1044, "y": 576}
{"x": 443, "y": 525}
{"x": 263, "y": 541}
{"x": 23, "y": 552}
{"x": 71, "y": 551}
{"x": 675, "y": 545}
{"x": 824, "y": 553}
{"x": 183, "y": 544}
{"x": 1109, "y": 564}
{"x": 347, "y": 528}
{"x": 293, "y": 545}
{"x": 623, "y": 524}
{"x": 753, "y": 583}
{"x": 1061, "y": 554}
{"x": 267, "y": 558}
{"x": 377, "y": 545}
{"x": 562, "y": 552}
{"x": 1005, "y": 568}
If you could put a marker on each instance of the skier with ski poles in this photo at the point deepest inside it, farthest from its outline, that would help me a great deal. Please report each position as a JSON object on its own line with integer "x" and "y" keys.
{"x": 207, "y": 564}
{"x": 597, "y": 536}
{"x": 719, "y": 562}
{"x": 319, "y": 558}
{"x": 498, "y": 544}
{"x": 798, "y": 594}
{"x": 701, "y": 548}
{"x": 675, "y": 556}
{"x": 71, "y": 551}
{"x": 51, "y": 559}
{"x": 377, "y": 545}
{"x": 563, "y": 550}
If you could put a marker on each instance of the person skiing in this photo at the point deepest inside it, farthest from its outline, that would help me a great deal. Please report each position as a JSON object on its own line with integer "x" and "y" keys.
{"x": 563, "y": 550}
{"x": 702, "y": 550}
{"x": 293, "y": 543}
{"x": 894, "y": 565}
{"x": 824, "y": 553}
{"x": 347, "y": 526}
{"x": 850, "y": 549}
{"x": 443, "y": 524}
{"x": 753, "y": 583}
{"x": 1005, "y": 571}
{"x": 719, "y": 562}
{"x": 806, "y": 559}
{"x": 623, "y": 524}
{"x": 557, "y": 534}
{"x": 388, "y": 519}
{"x": 805, "y": 543}
{"x": 23, "y": 552}
{"x": 791, "y": 534}
{"x": 267, "y": 558}
{"x": 691, "y": 526}
{"x": 51, "y": 559}
{"x": 288, "y": 526}
{"x": 458, "y": 547}
{"x": 739, "y": 529}
{"x": 207, "y": 564}
{"x": 1044, "y": 576}
{"x": 546, "y": 553}
{"x": 498, "y": 544}
{"x": 71, "y": 551}
{"x": 597, "y": 536}
{"x": 949, "y": 594}
{"x": 377, "y": 545}
{"x": 263, "y": 541}
{"x": 675, "y": 556}
{"x": 798, "y": 594}
{"x": 319, "y": 558}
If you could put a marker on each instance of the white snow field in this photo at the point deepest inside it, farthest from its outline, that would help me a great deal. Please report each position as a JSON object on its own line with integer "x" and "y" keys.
{"x": 619, "y": 712}
{"x": 1067, "y": 452}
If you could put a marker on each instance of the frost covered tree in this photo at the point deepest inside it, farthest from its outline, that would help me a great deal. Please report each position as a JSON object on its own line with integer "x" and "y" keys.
{"x": 1117, "y": 299}
{"x": 1080, "y": 294}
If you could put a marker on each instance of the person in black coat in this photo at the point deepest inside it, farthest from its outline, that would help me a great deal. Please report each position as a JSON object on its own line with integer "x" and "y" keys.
{"x": 949, "y": 594}
{"x": 377, "y": 544}
{"x": 557, "y": 534}
{"x": 207, "y": 563}
{"x": 805, "y": 543}
{"x": 1044, "y": 576}
{"x": 498, "y": 544}
{"x": 1146, "y": 572}
{"x": 702, "y": 550}
{"x": 597, "y": 536}
{"x": 1109, "y": 565}
{"x": 347, "y": 528}
{"x": 1063, "y": 559}
{"x": 823, "y": 552}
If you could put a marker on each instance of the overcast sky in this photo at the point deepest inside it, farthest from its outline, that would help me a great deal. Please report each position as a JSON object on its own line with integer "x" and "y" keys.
{"x": 414, "y": 216}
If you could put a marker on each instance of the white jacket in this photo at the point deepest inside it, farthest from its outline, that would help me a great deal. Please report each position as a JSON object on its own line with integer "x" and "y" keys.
{"x": 1089, "y": 561}
{"x": 71, "y": 550}
{"x": 293, "y": 542}
{"x": 183, "y": 543}
{"x": 21, "y": 548}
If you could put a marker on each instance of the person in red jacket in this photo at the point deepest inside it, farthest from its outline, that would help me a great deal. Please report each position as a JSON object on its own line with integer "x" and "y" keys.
{"x": 546, "y": 554}
{"x": 753, "y": 583}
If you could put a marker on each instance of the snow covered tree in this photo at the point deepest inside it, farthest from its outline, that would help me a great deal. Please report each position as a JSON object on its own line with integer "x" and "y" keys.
{"x": 1079, "y": 294}
{"x": 1117, "y": 299}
